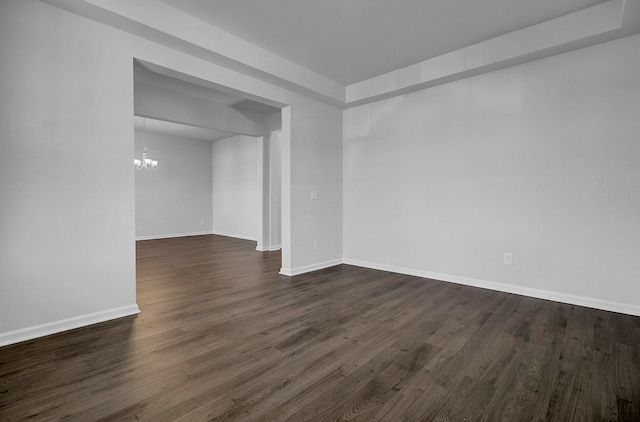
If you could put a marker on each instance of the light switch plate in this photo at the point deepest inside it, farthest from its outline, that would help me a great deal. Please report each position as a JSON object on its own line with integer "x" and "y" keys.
{"x": 507, "y": 259}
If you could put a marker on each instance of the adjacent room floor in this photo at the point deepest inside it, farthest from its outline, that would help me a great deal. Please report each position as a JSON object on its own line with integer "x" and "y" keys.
{"x": 222, "y": 336}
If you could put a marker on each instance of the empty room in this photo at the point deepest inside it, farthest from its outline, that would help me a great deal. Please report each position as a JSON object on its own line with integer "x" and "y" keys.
{"x": 319, "y": 210}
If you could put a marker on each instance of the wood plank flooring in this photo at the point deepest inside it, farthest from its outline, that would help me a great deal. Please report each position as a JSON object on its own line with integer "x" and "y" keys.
{"x": 223, "y": 337}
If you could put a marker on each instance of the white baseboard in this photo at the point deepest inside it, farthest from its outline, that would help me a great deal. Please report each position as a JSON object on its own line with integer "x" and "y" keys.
{"x": 307, "y": 269}
{"x": 237, "y": 236}
{"x": 23, "y": 334}
{"x": 168, "y": 236}
{"x": 268, "y": 249}
{"x": 589, "y": 302}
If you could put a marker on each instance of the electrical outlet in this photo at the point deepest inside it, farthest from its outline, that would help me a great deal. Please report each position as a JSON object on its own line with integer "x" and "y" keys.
{"x": 507, "y": 259}
{"x": 316, "y": 244}
{"x": 314, "y": 194}
{"x": 202, "y": 222}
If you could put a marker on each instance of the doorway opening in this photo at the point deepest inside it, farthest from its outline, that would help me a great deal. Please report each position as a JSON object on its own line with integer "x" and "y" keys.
{"x": 220, "y": 160}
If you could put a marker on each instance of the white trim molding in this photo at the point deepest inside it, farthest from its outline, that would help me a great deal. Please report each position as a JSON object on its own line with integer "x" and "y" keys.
{"x": 167, "y": 236}
{"x": 309, "y": 268}
{"x": 237, "y": 236}
{"x": 28, "y": 333}
{"x": 589, "y": 302}
{"x": 268, "y": 249}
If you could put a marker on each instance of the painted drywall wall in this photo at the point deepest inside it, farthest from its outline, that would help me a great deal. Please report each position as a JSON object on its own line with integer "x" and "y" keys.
{"x": 541, "y": 160}
{"x": 275, "y": 188}
{"x": 175, "y": 105}
{"x": 236, "y": 194}
{"x": 315, "y": 165}
{"x": 270, "y": 185}
{"x": 67, "y": 255}
{"x": 175, "y": 199}
{"x": 68, "y": 223}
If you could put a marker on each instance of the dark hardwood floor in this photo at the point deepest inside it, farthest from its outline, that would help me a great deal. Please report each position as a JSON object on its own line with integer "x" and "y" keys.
{"x": 222, "y": 336}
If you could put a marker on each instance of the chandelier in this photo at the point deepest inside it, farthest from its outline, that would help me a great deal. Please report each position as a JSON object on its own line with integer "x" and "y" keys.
{"x": 145, "y": 163}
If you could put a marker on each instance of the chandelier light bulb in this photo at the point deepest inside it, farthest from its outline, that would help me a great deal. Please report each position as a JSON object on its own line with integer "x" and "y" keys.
{"x": 145, "y": 163}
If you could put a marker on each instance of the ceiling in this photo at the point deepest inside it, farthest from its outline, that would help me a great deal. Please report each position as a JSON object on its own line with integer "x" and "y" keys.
{"x": 183, "y": 89}
{"x": 352, "y": 40}
{"x": 178, "y": 130}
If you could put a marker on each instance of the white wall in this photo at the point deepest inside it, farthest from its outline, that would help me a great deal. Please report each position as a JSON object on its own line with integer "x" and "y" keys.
{"x": 275, "y": 188}
{"x": 270, "y": 184}
{"x": 541, "y": 160}
{"x": 166, "y": 99}
{"x": 236, "y": 193}
{"x": 315, "y": 164}
{"x": 175, "y": 199}
{"x": 67, "y": 226}
{"x": 67, "y": 255}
